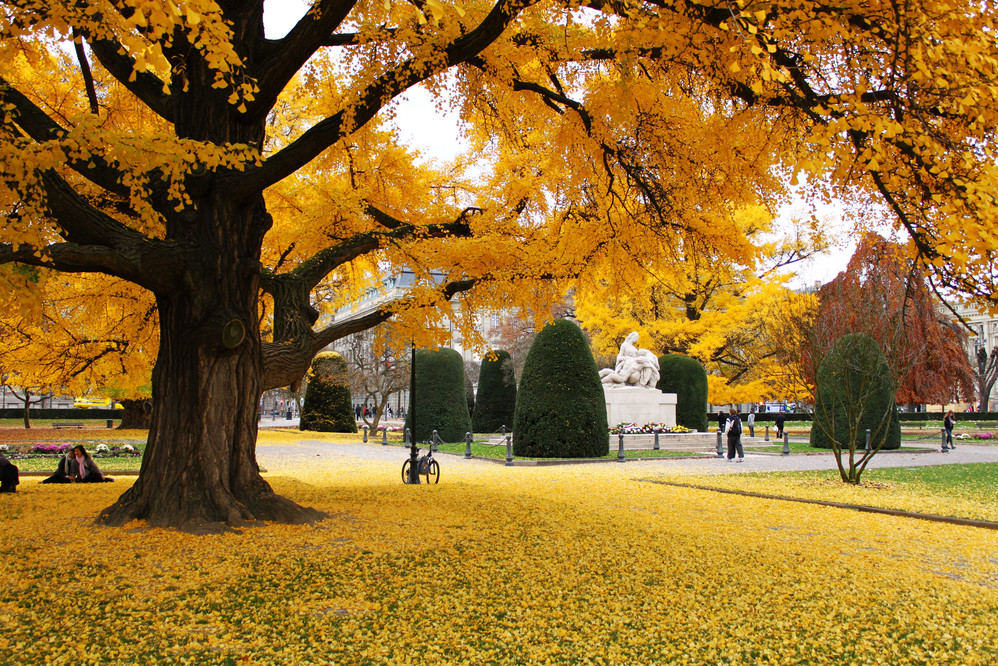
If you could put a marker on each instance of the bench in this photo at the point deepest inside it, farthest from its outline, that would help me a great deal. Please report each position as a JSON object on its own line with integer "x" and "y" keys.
{"x": 67, "y": 424}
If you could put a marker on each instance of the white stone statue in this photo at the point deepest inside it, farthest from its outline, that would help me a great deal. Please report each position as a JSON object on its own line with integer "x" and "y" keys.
{"x": 635, "y": 367}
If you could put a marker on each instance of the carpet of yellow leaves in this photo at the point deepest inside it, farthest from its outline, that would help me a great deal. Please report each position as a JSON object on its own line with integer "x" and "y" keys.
{"x": 494, "y": 565}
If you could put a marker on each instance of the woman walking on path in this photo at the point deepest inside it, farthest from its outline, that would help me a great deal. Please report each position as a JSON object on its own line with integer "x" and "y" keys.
{"x": 949, "y": 422}
{"x": 734, "y": 431}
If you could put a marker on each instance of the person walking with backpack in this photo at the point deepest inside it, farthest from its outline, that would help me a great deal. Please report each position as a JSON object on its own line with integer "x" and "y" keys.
{"x": 734, "y": 431}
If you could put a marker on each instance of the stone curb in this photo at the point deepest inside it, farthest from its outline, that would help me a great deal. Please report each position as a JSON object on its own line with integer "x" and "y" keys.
{"x": 968, "y": 522}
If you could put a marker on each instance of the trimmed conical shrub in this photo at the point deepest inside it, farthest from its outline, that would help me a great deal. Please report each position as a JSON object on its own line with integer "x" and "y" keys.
{"x": 441, "y": 403}
{"x": 855, "y": 392}
{"x": 687, "y": 378}
{"x": 327, "y": 405}
{"x": 560, "y": 408}
{"x": 496, "y": 401}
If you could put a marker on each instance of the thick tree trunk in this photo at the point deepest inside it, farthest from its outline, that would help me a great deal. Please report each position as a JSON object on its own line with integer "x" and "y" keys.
{"x": 199, "y": 469}
{"x": 137, "y": 414}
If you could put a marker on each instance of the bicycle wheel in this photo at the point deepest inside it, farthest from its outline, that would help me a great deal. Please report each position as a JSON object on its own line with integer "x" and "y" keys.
{"x": 433, "y": 472}
{"x": 405, "y": 471}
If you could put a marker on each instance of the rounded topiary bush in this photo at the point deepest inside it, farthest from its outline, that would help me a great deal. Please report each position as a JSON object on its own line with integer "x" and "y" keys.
{"x": 496, "y": 401}
{"x": 327, "y": 405}
{"x": 441, "y": 403}
{"x": 687, "y": 378}
{"x": 560, "y": 408}
{"x": 855, "y": 392}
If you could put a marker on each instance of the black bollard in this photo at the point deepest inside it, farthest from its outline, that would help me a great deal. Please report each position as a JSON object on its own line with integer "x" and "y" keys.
{"x": 467, "y": 446}
{"x": 433, "y": 443}
{"x": 944, "y": 440}
{"x": 767, "y": 433}
{"x": 384, "y": 436}
{"x": 365, "y": 434}
{"x": 509, "y": 451}
{"x": 867, "y": 439}
{"x": 720, "y": 449}
{"x": 786, "y": 443}
{"x": 656, "y": 440}
{"x": 620, "y": 448}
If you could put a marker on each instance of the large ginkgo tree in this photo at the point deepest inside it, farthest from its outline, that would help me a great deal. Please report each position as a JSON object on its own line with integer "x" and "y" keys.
{"x": 239, "y": 179}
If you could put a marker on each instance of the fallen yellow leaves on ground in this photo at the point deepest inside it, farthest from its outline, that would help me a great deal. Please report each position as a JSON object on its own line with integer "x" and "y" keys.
{"x": 570, "y": 564}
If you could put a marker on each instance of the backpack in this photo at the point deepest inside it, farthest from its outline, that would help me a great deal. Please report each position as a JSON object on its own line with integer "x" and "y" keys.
{"x": 736, "y": 427}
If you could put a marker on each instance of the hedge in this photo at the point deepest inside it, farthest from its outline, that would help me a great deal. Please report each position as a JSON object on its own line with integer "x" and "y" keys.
{"x": 495, "y": 405}
{"x": 687, "y": 378}
{"x": 441, "y": 402}
{"x": 328, "y": 405}
{"x": 560, "y": 406}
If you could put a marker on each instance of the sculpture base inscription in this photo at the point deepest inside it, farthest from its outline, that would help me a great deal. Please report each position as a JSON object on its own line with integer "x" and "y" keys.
{"x": 639, "y": 405}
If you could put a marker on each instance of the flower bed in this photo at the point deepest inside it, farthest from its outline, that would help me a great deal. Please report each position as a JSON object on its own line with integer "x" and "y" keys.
{"x": 976, "y": 435}
{"x": 646, "y": 429}
{"x": 55, "y": 450}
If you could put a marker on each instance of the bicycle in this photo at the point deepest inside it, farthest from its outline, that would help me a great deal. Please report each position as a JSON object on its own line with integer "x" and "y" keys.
{"x": 426, "y": 466}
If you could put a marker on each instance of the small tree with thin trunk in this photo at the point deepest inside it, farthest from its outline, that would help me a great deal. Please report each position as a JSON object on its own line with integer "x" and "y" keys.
{"x": 855, "y": 393}
{"x": 378, "y": 368}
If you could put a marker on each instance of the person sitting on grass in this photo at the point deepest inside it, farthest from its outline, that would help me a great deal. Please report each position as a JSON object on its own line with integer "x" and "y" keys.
{"x": 83, "y": 469}
{"x": 8, "y": 475}
{"x": 62, "y": 470}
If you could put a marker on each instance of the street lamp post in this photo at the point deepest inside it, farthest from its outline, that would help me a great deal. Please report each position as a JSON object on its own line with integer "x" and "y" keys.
{"x": 413, "y": 450}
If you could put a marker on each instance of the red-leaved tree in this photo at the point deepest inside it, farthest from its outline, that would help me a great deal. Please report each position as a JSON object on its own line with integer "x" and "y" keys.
{"x": 883, "y": 294}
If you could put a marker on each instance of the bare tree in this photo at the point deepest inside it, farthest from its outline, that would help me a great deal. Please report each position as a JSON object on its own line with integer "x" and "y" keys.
{"x": 378, "y": 368}
{"x": 985, "y": 374}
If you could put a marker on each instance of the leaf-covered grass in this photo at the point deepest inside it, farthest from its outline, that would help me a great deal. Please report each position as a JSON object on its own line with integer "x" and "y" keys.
{"x": 495, "y": 565}
{"x": 961, "y": 491}
{"x": 108, "y": 465}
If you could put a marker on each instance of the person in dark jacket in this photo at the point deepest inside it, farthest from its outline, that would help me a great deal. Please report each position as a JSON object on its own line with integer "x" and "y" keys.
{"x": 721, "y": 418}
{"x": 779, "y": 420}
{"x": 734, "y": 431}
{"x": 61, "y": 471}
{"x": 83, "y": 469}
{"x": 8, "y": 475}
{"x": 949, "y": 422}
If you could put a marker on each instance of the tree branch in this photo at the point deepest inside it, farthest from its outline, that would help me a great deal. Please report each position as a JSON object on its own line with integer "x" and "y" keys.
{"x": 379, "y": 93}
{"x": 287, "y": 55}
{"x": 147, "y": 87}
{"x": 40, "y": 127}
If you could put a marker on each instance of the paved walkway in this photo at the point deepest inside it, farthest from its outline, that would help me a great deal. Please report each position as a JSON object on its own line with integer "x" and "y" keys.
{"x": 754, "y": 462}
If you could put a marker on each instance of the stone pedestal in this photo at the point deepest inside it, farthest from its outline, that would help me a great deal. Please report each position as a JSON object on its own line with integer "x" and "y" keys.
{"x": 631, "y": 404}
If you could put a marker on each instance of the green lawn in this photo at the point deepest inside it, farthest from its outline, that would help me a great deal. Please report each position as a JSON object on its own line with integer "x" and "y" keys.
{"x": 962, "y": 491}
